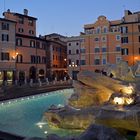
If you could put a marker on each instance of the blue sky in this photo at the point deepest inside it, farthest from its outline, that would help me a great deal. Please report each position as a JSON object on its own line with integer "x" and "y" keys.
{"x": 67, "y": 17}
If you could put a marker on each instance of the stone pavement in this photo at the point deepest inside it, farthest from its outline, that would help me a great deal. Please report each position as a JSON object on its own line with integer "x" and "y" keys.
{"x": 12, "y": 92}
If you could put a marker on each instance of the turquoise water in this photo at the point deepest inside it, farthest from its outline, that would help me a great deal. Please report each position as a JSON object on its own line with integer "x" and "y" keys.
{"x": 23, "y": 116}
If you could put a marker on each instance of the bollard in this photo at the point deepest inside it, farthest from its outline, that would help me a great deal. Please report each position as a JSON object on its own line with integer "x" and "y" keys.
{"x": 31, "y": 82}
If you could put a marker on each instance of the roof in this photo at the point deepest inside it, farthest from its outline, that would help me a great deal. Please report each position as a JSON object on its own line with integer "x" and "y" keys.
{"x": 3, "y": 19}
{"x": 41, "y": 39}
{"x": 55, "y": 34}
{"x": 25, "y": 16}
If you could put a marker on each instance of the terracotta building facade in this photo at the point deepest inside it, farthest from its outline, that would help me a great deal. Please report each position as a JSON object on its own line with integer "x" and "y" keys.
{"x": 7, "y": 50}
{"x": 108, "y": 42}
{"x": 31, "y": 58}
{"x": 37, "y": 57}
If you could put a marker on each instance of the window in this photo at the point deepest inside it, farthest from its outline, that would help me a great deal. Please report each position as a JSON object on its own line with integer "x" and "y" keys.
{"x": 118, "y": 59}
{"x": 124, "y": 29}
{"x": 33, "y": 60}
{"x": 21, "y": 20}
{"x": 118, "y": 48}
{"x": 31, "y": 32}
{"x": 139, "y": 38}
{"x": 44, "y": 60}
{"x": 83, "y": 62}
{"x": 118, "y": 37}
{"x": 77, "y": 62}
{"x": 98, "y": 30}
{"x": 104, "y": 49}
{"x": 89, "y": 31}
{"x": 97, "y": 61}
{"x": 105, "y": 30}
{"x": 5, "y": 26}
{"x": 104, "y": 38}
{"x": 82, "y": 40}
{"x": 5, "y": 37}
{"x": 124, "y": 39}
{"x": 18, "y": 42}
{"x": 4, "y": 56}
{"x": 19, "y": 58}
{"x": 96, "y": 39}
{"x": 96, "y": 50}
{"x": 82, "y": 50}
{"x": 104, "y": 61}
{"x": 38, "y": 59}
{"x": 77, "y": 43}
{"x": 21, "y": 30}
{"x": 69, "y": 44}
{"x": 77, "y": 51}
{"x": 30, "y": 22}
{"x": 32, "y": 43}
{"x": 38, "y": 44}
{"x": 139, "y": 50}
{"x": 43, "y": 45}
{"x": 69, "y": 51}
{"x": 125, "y": 51}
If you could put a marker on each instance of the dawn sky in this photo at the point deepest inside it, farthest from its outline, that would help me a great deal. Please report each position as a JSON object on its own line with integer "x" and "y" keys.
{"x": 67, "y": 17}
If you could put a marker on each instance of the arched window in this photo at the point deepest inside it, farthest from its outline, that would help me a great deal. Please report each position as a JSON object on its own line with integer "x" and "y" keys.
{"x": 105, "y": 29}
{"x": 98, "y": 30}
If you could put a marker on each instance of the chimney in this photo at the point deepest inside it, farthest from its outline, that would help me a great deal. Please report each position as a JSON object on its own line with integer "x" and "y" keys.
{"x": 127, "y": 12}
{"x": 8, "y": 10}
{"x": 25, "y": 12}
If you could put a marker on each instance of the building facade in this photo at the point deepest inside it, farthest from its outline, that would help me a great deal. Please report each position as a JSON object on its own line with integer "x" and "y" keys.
{"x": 31, "y": 59}
{"x": 7, "y": 50}
{"x": 75, "y": 55}
{"x": 58, "y": 56}
{"x": 130, "y": 37}
{"x": 107, "y": 42}
{"x": 102, "y": 43}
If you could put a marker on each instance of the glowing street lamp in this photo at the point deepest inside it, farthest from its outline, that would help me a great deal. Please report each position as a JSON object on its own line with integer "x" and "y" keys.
{"x": 72, "y": 65}
{"x": 14, "y": 56}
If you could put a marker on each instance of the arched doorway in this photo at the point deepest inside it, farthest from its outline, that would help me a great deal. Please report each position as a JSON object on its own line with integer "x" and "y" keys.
{"x": 41, "y": 74}
{"x": 32, "y": 73}
{"x": 21, "y": 76}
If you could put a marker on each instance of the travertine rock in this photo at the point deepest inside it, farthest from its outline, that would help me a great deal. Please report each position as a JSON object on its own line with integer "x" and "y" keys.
{"x": 94, "y": 89}
{"x": 94, "y": 132}
{"x": 125, "y": 119}
{"x": 100, "y": 132}
{"x": 121, "y": 71}
{"x": 87, "y": 96}
{"x": 70, "y": 118}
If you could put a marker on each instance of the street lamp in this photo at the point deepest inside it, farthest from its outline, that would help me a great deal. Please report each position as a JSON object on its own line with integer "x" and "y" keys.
{"x": 72, "y": 65}
{"x": 14, "y": 57}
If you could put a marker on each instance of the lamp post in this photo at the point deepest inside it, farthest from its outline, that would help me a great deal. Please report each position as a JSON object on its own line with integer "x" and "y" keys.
{"x": 73, "y": 66}
{"x": 15, "y": 72}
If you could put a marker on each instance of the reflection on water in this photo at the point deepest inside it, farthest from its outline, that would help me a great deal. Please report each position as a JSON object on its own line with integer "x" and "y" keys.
{"x": 23, "y": 116}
